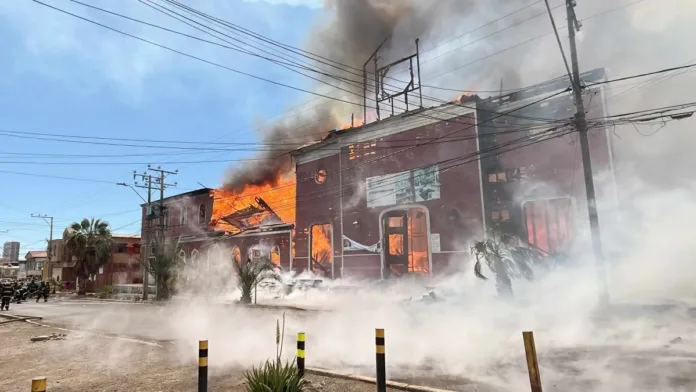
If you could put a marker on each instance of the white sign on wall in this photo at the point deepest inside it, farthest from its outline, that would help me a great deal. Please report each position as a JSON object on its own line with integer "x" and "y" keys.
{"x": 405, "y": 187}
{"x": 435, "y": 242}
{"x": 389, "y": 189}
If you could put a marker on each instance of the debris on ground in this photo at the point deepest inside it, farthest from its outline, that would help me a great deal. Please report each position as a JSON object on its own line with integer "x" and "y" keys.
{"x": 315, "y": 387}
{"x": 53, "y": 336}
{"x": 676, "y": 340}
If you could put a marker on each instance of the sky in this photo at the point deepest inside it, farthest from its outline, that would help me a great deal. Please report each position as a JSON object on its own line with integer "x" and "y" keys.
{"x": 60, "y": 75}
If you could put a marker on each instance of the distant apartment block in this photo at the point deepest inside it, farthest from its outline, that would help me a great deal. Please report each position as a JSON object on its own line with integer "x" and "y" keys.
{"x": 10, "y": 250}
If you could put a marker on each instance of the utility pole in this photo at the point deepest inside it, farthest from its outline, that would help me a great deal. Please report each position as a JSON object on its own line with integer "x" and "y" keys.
{"x": 160, "y": 180}
{"x": 147, "y": 184}
{"x": 159, "y": 184}
{"x": 580, "y": 121}
{"x": 49, "y": 252}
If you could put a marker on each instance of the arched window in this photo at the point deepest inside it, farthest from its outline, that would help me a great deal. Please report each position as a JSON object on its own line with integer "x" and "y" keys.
{"x": 275, "y": 255}
{"x": 165, "y": 213}
{"x": 237, "y": 255}
{"x": 182, "y": 256}
{"x": 183, "y": 216}
{"x": 202, "y": 214}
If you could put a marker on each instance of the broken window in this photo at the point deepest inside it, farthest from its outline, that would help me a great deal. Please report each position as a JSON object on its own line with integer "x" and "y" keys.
{"x": 396, "y": 221}
{"x": 202, "y": 214}
{"x": 237, "y": 255}
{"x": 321, "y": 249}
{"x": 500, "y": 216}
{"x": 275, "y": 255}
{"x": 508, "y": 175}
{"x": 361, "y": 150}
{"x": 549, "y": 223}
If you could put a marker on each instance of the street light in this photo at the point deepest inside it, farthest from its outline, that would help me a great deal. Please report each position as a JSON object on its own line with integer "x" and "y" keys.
{"x": 131, "y": 187}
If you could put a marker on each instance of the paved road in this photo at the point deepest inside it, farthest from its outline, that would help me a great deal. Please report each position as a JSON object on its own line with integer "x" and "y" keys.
{"x": 174, "y": 322}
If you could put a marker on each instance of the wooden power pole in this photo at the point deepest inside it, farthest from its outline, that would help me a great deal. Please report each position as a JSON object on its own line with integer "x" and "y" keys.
{"x": 580, "y": 122}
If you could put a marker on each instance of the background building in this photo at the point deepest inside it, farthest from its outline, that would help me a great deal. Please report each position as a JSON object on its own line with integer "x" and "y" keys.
{"x": 35, "y": 261}
{"x": 10, "y": 250}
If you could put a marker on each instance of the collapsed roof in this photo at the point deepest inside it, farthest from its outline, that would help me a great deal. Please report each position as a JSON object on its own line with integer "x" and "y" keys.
{"x": 253, "y": 216}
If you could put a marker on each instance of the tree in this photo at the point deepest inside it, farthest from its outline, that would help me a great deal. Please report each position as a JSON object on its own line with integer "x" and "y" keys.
{"x": 507, "y": 258}
{"x": 250, "y": 274}
{"x": 163, "y": 262}
{"x": 90, "y": 242}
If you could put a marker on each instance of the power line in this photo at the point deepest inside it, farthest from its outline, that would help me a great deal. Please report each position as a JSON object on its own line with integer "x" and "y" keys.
{"x": 193, "y": 56}
{"x": 349, "y": 81}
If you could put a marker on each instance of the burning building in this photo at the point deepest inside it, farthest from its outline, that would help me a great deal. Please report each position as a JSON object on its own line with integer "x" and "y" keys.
{"x": 405, "y": 195}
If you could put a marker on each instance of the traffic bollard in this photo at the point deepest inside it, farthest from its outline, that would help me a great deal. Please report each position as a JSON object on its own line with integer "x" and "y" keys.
{"x": 38, "y": 384}
{"x": 301, "y": 353}
{"x": 532, "y": 363}
{"x": 381, "y": 362}
{"x": 202, "y": 366}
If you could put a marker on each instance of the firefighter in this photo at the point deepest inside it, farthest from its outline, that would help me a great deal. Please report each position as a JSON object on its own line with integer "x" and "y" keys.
{"x": 42, "y": 292}
{"x": 6, "y": 293}
{"x": 18, "y": 291}
{"x": 32, "y": 287}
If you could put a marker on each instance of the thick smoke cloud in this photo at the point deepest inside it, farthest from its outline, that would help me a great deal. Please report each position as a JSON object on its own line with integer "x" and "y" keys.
{"x": 348, "y": 37}
{"x": 462, "y": 49}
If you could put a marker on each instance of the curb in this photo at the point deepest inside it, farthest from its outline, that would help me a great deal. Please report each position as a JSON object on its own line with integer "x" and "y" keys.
{"x": 369, "y": 380}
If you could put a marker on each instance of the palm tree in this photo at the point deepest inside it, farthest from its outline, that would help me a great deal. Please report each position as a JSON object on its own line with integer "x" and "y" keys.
{"x": 89, "y": 241}
{"x": 162, "y": 265}
{"x": 507, "y": 258}
{"x": 251, "y": 274}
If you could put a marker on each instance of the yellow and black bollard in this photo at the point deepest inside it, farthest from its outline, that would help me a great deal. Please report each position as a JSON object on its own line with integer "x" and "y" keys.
{"x": 38, "y": 384}
{"x": 381, "y": 362}
{"x": 202, "y": 366}
{"x": 532, "y": 362}
{"x": 301, "y": 353}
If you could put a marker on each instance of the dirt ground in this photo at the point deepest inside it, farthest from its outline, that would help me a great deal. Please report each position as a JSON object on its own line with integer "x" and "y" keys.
{"x": 84, "y": 362}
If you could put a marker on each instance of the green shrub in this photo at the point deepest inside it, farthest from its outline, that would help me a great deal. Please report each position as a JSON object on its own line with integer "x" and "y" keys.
{"x": 274, "y": 376}
{"x": 105, "y": 292}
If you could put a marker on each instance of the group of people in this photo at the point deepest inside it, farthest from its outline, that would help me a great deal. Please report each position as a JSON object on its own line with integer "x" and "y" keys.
{"x": 21, "y": 291}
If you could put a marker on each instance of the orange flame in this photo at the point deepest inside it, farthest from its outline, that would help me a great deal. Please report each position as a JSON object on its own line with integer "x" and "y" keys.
{"x": 322, "y": 256}
{"x": 278, "y": 193}
{"x": 464, "y": 96}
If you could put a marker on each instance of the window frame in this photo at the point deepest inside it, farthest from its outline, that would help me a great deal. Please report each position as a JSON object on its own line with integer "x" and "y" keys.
{"x": 183, "y": 215}
{"x": 202, "y": 214}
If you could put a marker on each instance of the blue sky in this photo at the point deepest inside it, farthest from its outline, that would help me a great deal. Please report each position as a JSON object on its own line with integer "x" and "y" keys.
{"x": 61, "y": 75}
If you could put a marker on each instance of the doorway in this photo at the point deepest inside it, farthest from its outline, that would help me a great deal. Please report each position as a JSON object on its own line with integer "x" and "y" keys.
{"x": 406, "y": 249}
{"x": 321, "y": 250}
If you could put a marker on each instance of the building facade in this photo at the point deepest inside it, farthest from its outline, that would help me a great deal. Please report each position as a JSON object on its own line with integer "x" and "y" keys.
{"x": 10, "y": 250}
{"x": 406, "y": 196}
{"x": 123, "y": 267}
{"x": 34, "y": 262}
{"x": 186, "y": 219}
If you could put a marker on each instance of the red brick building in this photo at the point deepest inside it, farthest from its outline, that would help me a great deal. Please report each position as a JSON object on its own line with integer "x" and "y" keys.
{"x": 123, "y": 267}
{"x": 408, "y": 194}
{"x": 187, "y": 219}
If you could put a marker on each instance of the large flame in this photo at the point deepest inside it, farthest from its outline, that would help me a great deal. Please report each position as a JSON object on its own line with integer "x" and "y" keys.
{"x": 278, "y": 193}
{"x": 322, "y": 256}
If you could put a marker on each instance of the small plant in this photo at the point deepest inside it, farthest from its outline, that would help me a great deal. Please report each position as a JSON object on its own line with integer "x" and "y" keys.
{"x": 275, "y": 376}
{"x": 105, "y": 292}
